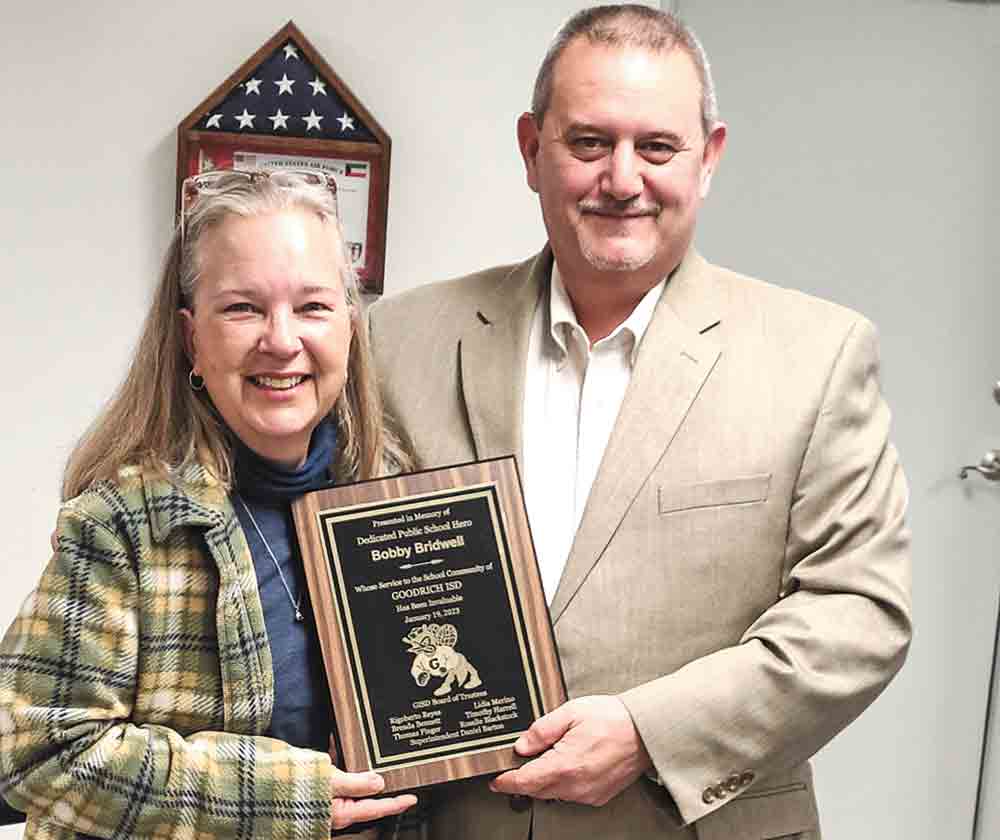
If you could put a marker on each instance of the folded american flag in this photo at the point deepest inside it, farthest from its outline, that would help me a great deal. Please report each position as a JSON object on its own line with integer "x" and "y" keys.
{"x": 285, "y": 96}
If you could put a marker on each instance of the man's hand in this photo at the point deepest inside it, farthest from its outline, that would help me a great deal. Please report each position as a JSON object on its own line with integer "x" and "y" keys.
{"x": 588, "y": 752}
{"x": 349, "y": 809}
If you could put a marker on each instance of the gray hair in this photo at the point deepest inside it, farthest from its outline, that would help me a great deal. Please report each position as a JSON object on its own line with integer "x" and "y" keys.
{"x": 628, "y": 25}
{"x": 235, "y": 194}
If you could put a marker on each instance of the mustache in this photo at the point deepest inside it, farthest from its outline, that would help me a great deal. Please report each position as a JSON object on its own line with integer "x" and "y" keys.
{"x": 619, "y": 209}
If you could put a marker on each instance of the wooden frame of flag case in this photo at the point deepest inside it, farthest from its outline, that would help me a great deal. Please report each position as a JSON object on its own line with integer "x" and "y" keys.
{"x": 200, "y": 147}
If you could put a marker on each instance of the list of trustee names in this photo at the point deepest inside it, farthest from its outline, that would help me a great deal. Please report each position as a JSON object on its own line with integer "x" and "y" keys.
{"x": 426, "y": 726}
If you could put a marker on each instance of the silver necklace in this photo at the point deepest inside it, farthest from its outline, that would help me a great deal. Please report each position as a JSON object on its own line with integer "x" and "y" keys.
{"x": 296, "y": 605}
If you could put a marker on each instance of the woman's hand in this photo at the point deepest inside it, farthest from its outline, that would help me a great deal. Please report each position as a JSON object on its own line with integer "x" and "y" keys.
{"x": 350, "y": 802}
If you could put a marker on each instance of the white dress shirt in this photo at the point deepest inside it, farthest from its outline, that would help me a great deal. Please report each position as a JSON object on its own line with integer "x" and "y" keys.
{"x": 573, "y": 392}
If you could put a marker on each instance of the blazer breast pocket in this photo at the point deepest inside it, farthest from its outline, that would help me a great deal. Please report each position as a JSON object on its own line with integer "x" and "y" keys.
{"x": 743, "y": 490}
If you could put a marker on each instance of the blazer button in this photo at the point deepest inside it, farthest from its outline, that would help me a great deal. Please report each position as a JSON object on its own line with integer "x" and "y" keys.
{"x": 707, "y": 796}
{"x": 747, "y": 777}
{"x": 720, "y": 791}
{"x": 733, "y": 783}
{"x": 518, "y": 802}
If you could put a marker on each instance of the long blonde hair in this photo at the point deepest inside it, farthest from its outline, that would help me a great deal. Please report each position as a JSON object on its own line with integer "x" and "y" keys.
{"x": 157, "y": 421}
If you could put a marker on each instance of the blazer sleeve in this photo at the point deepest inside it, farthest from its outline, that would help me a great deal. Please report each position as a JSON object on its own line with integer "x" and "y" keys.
{"x": 838, "y": 632}
{"x": 72, "y": 757}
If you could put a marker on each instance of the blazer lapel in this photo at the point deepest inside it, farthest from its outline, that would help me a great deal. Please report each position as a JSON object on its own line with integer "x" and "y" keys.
{"x": 674, "y": 362}
{"x": 493, "y": 354}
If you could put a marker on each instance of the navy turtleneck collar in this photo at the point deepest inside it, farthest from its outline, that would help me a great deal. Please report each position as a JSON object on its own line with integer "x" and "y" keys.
{"x": 260, "y": 479}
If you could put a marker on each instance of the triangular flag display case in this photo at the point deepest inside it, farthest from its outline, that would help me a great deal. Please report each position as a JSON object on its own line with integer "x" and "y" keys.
{"x": 285, "y": 107}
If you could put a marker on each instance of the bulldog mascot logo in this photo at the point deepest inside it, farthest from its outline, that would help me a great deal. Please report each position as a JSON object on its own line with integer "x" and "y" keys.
{"x": 434, "y": 655}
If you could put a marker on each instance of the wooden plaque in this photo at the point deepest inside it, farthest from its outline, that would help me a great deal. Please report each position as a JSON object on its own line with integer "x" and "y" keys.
{"x": 432, "y": 620}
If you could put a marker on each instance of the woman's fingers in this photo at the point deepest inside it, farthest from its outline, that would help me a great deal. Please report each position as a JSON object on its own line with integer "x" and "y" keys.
{"x": 355, "y": 784}
{"x": 351, "y": 802}
{"x": 349, "y": 811}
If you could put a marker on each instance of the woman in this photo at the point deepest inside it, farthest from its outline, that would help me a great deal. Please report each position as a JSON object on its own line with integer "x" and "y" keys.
{"x": 164, "y": 679}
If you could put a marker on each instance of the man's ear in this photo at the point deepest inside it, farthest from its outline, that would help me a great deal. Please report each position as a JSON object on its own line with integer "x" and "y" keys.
{"x": 714, "y": 146}
{"x": 528, "y": 142}
{"x": 187, "y": 328}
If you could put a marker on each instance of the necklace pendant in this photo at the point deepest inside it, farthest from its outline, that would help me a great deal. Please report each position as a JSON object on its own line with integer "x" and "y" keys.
{"x": 298, "y": 615}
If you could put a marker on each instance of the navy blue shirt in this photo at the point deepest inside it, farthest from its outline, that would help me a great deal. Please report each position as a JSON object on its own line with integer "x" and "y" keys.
{"x": 303, "y": 715}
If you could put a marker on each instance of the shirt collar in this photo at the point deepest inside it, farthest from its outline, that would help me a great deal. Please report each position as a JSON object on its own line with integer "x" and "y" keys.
{"x": 563, "y": 323}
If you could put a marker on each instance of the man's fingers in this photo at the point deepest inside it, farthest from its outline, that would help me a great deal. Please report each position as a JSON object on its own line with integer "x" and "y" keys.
{"x": 544, "y": 732}
{"x": 349, "y": 811}
{"x": 591, "y": 751}
{"x": 530, "y": 779}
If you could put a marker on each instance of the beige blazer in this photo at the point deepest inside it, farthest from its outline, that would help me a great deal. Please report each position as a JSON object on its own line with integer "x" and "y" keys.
{"x": 740, "y": 576}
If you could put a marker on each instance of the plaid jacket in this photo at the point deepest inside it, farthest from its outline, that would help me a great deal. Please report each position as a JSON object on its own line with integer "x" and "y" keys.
{"x": 136, "y": 680}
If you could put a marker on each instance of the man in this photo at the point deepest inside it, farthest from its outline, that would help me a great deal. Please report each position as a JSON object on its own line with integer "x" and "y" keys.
{"x": 717, "y": 509}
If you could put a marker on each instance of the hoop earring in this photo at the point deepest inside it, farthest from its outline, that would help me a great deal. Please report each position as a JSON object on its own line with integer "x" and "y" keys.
{"x": 196, "y": 382}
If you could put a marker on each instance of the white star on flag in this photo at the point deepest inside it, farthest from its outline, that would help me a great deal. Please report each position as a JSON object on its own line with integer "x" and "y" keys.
{"x": 290, "y": 52}
{"x": 313, "y": 120}
{"x": 279, "y": 120}
{"x": 285, "y": 84}
{"x": 253, "y": 86}
{"x": 213, "y": 121}
{"x": 346, "y": 122}
{"x": 246, "y": 120}
{"x": 318, "y": 86}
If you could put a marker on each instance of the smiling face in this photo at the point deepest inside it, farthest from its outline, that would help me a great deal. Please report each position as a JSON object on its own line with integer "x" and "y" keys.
{"x": 269, "y": 329}
{"x": 621, "y": 163}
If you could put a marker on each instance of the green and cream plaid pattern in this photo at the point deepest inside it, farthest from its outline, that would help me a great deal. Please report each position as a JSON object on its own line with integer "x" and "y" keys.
{"x": 136, "y": 680}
